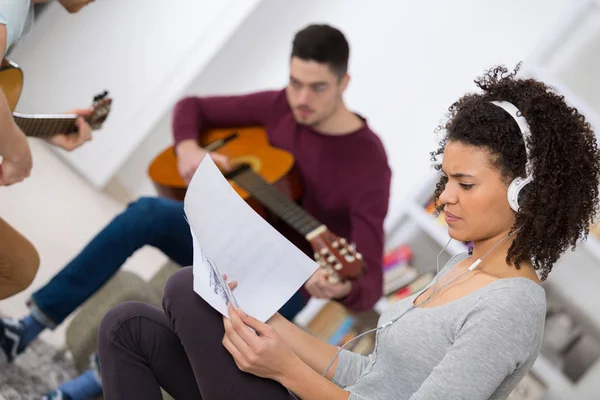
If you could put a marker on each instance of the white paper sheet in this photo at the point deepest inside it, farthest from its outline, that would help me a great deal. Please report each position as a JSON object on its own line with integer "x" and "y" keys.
{"x": 231, "y": 238}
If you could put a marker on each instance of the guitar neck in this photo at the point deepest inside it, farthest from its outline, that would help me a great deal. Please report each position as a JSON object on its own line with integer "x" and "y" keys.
{"x": 290, "y": 212}
{"x": 45, "y": 126}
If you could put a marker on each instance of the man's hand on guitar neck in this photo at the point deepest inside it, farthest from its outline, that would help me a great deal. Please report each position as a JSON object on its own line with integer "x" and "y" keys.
{"x": 318, "y": 286}
{"x": 71, "y": 141}
{"x": 190, "y": 155}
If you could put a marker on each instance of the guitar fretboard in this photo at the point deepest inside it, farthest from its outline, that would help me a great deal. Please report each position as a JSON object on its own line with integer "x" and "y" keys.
{"x": 275, "y": 201}
{"x": 44, "y": 126}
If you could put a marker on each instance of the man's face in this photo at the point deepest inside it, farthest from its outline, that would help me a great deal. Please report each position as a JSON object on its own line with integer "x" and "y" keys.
{"x": 314, "y": 92}
{"x": 73, "y": 6}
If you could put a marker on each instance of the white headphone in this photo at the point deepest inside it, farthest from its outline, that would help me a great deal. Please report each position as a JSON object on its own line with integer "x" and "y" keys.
{"x": 518, "y": 183}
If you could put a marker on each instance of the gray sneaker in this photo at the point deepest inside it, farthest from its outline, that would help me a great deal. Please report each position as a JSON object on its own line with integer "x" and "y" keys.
{"x": 11, "y": 335}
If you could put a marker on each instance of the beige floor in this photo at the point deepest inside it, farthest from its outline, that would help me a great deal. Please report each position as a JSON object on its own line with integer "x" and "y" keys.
{"x": 59, "y": 212}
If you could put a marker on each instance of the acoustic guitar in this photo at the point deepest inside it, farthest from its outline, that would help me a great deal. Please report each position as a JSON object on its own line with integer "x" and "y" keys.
{"x": 264, "y": 176}
{"x": 46, "y": 125}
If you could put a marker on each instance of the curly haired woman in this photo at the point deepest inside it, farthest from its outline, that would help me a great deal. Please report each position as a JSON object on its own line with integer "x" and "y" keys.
{"x": 473, "y": 333}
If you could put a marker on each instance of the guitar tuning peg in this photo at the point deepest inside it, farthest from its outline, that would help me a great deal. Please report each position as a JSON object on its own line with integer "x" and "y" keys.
{"x": 359, "y": 256}
{"x": 343, "y": 241}
{"x": 333, "y": 278}
{"x": 100, "y": 96}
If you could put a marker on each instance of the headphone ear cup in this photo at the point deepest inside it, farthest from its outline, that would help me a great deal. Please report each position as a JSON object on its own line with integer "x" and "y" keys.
{"x": 522, "y": 193}
{"x": 513, "y": 195}
{"x": 516, "y": 193}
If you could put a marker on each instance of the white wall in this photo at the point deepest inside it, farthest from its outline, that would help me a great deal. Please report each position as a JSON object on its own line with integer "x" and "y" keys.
{"x": 409, "y": 62}
{"x": 573, "y": 58}
{"x": 133, "y": 48}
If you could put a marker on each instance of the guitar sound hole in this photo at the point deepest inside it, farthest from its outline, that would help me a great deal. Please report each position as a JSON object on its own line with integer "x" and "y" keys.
{"x": 237, "y": 170}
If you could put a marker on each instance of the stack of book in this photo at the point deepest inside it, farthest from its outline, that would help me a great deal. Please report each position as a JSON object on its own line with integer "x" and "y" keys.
{"x": 332, "y": 321}
{"x": 397, "y": 271}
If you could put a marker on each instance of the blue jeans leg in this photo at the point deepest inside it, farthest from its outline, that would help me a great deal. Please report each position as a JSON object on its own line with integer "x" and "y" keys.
{"x": 154, "y": 221}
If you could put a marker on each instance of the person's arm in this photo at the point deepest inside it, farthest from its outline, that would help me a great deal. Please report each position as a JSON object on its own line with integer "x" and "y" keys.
{"x": 316, "y": 353}
{"x": 368, "y": 210}
{"x": 309, "y": 385}
{"x": 14, "y": 147}
{"x": 263, "y": 352}
{"x": 193, "y": 115}
{"x": 498, "y": 338}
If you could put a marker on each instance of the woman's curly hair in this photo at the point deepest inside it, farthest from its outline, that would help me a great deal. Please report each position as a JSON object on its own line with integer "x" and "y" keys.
{"x": 560, "y": 204}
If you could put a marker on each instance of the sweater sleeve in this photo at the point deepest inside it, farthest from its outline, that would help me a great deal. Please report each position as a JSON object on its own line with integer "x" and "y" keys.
{"x": 498, "y": 340}
{"x": 350, "y": 367}
{"x": 367, "y": 214}
{"x": 192, "y": 115}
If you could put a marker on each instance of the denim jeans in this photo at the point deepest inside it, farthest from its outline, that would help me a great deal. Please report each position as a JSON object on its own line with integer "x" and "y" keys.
{"x": 154, "y": 221}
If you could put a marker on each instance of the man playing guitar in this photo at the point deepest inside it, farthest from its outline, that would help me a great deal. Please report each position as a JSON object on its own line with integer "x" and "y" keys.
{"x": 341, "y": 162}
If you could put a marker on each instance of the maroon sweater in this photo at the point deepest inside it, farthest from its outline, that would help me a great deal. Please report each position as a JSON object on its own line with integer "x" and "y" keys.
{"x": 346, "y": 178}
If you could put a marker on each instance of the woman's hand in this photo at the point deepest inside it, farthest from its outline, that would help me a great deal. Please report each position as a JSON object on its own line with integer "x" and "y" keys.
{"x": 232, "y": 285}
{"x": 261, "y": 352}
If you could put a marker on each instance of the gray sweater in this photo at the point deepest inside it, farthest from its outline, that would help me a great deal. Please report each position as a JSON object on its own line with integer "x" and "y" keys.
{"x": 476, "y": 347}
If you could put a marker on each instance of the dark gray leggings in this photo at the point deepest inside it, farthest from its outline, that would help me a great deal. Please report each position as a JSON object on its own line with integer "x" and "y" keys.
{"x": 142, "y": 348}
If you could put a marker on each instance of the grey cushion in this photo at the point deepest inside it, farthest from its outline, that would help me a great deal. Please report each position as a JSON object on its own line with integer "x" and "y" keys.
{"x": 82, "y": 332}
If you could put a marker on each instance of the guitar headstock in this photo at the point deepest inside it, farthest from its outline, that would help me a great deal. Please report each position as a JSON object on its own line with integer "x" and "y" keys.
{"x": 101, "y": 108}
{"x": 339, "y": 258}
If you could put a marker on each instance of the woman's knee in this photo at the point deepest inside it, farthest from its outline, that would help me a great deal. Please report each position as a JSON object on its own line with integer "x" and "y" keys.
{"x": 131, "y": 327}
{"x": 116, "y": 317}
{"x": 179, "y": 291}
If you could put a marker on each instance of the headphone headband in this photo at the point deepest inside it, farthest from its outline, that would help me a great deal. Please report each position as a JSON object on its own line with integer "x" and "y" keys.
{"x": 514, "y": 112}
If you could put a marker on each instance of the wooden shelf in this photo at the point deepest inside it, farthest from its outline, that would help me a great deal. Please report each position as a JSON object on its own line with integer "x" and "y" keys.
{"x": 310, "y": 311}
